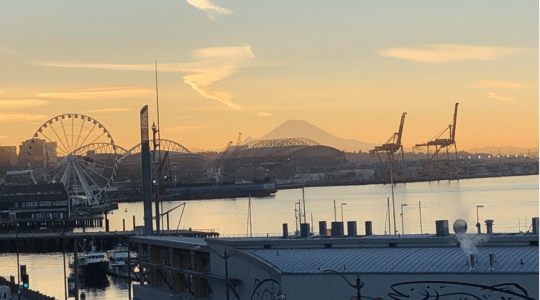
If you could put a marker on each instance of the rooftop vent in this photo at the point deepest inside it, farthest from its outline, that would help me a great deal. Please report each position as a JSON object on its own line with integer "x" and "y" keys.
{"x": 322, "y": 228}
{"x": 460, "y": 226}
{"x": 337, "y": 229}
{"x": 492, "y": 261}
{"x": 489, "y": 226}
{"x": 369, "y": 230}
{"x": 351, "y": 228}
{"x": 304, "y": 230}
{"x": 473, "y": 261}
{"x": 442, "y": 227}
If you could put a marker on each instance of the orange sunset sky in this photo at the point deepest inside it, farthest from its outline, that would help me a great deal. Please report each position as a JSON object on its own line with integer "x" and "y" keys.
{"x": 349, "y": 67}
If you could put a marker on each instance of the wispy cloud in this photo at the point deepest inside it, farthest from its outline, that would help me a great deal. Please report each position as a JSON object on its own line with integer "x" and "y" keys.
{"x": 118, "y": 109}
{"x": 7, "y": 50}
{"x": 9, "y": 104}
{"x": 441, "y": 53}
{"x": 213, "y": 64}
{"x": 499, "y": 97}
{"x": 210, "y": 8}
{"x": 16, "y": 117}
{"x": 185, "y": 117}
{"x": 184, "y": 128}
{"x": 225, "y": 61}
{"x": 4, "y": 136}
{"x": 494, "y": 84}
{"x": 263, "y": 114}
{"x": 99, "y": 93}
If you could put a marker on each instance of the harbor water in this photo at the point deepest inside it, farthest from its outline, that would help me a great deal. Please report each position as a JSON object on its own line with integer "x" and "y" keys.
{"x": 510, "y": 201}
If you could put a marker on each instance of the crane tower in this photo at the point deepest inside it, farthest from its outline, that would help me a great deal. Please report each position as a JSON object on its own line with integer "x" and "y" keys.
{"x": 440, "y": 152}
{"x": 391, "y": 156}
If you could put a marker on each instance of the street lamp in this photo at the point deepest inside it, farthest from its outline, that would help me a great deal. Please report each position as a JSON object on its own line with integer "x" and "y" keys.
{"x": 478, "y": 219}
{"x": 402, "y": 227}
{"x": 358, "y": 286}
{"x": 342, "y": 211}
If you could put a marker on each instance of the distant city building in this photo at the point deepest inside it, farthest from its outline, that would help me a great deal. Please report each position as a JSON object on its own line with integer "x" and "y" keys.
{"x": 8, "y": 155}
{"x": 41, "y": 153}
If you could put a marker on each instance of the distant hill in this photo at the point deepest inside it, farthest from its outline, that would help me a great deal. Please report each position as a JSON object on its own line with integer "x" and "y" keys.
{"x": 509, "y": 150}
{"x": 299, "y": 128}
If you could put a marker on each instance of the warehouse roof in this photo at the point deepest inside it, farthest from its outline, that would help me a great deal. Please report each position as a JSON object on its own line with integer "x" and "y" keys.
{"x": 399, "y": 260}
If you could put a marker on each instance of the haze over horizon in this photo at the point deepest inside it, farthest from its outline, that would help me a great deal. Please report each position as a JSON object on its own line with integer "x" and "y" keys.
{"x": 350, "y": 68}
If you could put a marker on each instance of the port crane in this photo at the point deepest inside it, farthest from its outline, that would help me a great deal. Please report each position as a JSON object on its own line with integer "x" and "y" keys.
{"x": 441, "y": 147}
{"x": 387, "y": 153}
{"x": 219, "y": 160}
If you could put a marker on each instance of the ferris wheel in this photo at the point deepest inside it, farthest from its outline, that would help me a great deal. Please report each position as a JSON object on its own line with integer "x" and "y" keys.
{"x": 77, "y": 151}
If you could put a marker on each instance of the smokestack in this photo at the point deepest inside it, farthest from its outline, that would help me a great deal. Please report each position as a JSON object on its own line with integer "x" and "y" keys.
{"x": 535, "y": 225}
{"x": 489, "y": 226}
{"x": 351, "y": 228}
{"x": 285, "y": 230}
{"x": 146, "y": 175}
{"x": 442, "y": 227}
{"x": 492, "y": 261}
{"x": 322, "y": 228}
{"x": 369, "y": 230}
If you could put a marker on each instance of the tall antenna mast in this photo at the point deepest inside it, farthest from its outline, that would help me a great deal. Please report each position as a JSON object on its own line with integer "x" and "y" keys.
{"x": 157, "y": 107}
{"x": 158, "y": 148}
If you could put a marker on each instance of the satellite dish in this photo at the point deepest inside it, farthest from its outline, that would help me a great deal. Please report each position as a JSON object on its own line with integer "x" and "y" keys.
{"x": 460, "y": 226}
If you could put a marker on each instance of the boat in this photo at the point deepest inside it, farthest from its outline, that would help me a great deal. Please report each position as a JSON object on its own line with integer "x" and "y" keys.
{"x": 92, "y": 268}
{"x": 118, "y": 259}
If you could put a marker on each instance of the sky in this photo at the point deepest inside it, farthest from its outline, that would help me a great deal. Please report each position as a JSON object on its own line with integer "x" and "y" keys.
{"x": 349, "y": 67}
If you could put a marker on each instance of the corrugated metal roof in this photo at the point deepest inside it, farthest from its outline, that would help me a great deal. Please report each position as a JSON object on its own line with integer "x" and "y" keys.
{"x": 399, "y": 260}
{"x": 171, "y": 241}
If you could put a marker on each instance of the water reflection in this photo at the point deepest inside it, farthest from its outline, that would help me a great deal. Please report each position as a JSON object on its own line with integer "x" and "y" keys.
{"x": 510, "y": 201}
{"x": 505, "y": 200}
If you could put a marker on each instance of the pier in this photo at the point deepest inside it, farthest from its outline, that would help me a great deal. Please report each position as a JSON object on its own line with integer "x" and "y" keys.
{"x": 49, "y": 242}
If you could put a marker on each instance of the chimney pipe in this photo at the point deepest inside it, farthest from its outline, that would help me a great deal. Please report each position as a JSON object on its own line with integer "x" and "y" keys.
{"x": 489, "y": 226}
{"x": 351, "y": 228}
{"x": 322, "y": 228}
{"x": 369, "y": 230}
{"x": 441, "y": 227}
{"x": 337, "y": 229}
{"x": 304, "y": 230}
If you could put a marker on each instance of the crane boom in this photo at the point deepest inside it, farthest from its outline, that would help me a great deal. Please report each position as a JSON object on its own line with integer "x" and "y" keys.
{"x": 400, "y": 132}
{"x": 455, "y": 122}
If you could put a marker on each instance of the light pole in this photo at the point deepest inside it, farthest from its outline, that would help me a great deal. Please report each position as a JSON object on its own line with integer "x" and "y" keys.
{"x": 478, "y": 219}
{"x": 225, "y": 256}
{"x": 358, "y": 286}
{"x": 342, "y": 211}
{"x": 402, "y": 226}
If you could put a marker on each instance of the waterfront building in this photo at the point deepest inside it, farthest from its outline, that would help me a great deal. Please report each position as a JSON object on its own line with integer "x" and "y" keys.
{"x": 33, "y": 205}
{"x": 456, "y": 266}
